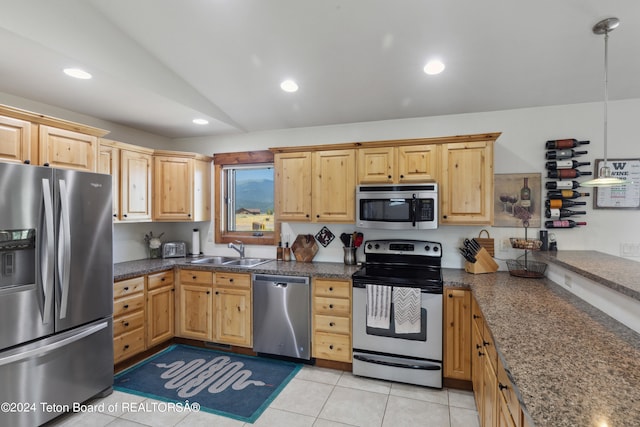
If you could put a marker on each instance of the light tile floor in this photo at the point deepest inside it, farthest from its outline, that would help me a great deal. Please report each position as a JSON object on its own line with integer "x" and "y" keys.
{"x": 316, "y": 397}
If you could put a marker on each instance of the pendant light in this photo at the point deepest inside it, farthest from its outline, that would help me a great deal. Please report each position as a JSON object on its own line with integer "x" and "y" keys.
{"x": 604, "y": 178}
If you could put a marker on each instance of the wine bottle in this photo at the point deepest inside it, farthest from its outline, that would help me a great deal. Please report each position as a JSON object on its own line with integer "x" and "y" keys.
{"x": 561, "y": 203}
{"x": 565, "y": 164}
{"x": 564, "y": 144}
{"x": 564, "y": 223}
{"x": 565, "y": 194}
{"x": 566, "y": 173}
{"x": 525, "y": 195}
{"x": 563, "y": 154}
{"x": 561, "y": 213}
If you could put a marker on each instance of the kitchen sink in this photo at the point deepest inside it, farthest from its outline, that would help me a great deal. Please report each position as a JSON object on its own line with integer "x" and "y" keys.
{"x": 231, "y": 261}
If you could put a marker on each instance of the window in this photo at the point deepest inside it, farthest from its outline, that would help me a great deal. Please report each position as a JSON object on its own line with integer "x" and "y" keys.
{"x": 244, "y": 205}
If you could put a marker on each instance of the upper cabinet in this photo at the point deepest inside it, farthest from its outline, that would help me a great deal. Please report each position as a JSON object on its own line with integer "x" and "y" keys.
{"x": 27, "y": 137}
{"x": 466, "y": 183}
{"x": 315, "y": 186}
{"x": 181, "y": 187}
{"x": 15, "y": 140}
{"x": 135, "y": 184}
{"x": 109, "y": 163}
{"x": 401, "y": 164}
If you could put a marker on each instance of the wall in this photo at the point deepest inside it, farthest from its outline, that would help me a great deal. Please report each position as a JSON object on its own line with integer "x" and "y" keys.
{"x": 520, "y": 149}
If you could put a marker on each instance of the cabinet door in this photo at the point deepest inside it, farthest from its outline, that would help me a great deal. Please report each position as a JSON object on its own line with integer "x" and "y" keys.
{"x": 417, "y": 163}
{"x": 334, "y": 182}
{"x": 160, "y": 315}
{"x": 376, "y": 165}
{"x": 136, "y": 185}
{"x": 202, "y": 190}
{"x": 233, "y": 316}
{"x": 172, "y": 188}
{"x": 489, "y": 397}
{"x": 457, "y": 313}
{"x": 109, "y": 163}
{"x": 477, "y": 368}
{"x": 196, "y": 303}
{"x": 67, "y": 149}
{"x": 293, "y": 186}
{"x": 15, "y": 140}
{"x": 467, "y": 183}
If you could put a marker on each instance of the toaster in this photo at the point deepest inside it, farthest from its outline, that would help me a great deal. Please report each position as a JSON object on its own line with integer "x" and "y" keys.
{"x": 174, "y": 250}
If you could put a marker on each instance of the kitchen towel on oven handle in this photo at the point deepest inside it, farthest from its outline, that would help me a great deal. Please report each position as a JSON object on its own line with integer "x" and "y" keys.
{"x": 378, "y": 306}
{"x": 406, "y": 310}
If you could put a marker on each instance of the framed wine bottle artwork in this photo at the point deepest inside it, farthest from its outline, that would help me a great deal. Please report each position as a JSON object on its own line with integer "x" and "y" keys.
{"x": 619, "y": 196}
{"x": 517, "y": 200}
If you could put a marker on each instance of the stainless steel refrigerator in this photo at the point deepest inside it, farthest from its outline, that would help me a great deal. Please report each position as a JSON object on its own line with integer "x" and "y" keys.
{"x": 56, "y": 291}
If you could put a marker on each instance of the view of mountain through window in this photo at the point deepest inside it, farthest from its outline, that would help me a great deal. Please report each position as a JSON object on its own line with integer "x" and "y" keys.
{"x": 250, "y": 206}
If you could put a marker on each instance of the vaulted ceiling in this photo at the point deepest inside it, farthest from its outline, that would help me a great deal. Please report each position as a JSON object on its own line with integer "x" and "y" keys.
{"x": 158, "y": 64}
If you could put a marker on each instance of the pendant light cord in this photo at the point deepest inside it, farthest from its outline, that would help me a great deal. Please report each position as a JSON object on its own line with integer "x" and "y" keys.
{"x": 606, "y": 93}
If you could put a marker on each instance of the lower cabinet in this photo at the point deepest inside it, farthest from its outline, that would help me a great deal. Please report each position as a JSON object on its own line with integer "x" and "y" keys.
{"x": 496, "y": 400}
{"x": 331, "y": 324}
{"x": 128, "y": 318}
{"x": 160, "y": 307}
{"x": 215, "y": 306}
{"x": 457, "y": 334}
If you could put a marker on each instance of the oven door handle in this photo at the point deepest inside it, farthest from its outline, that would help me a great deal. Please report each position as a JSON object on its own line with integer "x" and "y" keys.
{"x": 397, "y": 365}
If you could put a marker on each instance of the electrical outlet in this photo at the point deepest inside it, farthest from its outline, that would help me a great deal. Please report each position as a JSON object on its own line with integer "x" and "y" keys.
{"x": 630, "y": 250}
{"x": 505, "y": 244}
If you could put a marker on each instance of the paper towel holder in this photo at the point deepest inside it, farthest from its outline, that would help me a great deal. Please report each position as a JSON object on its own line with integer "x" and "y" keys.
{"x": 195, "y": 244}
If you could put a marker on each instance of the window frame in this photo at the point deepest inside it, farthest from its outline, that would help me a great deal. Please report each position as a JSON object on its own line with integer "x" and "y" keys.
{"x": 246, "y": 158}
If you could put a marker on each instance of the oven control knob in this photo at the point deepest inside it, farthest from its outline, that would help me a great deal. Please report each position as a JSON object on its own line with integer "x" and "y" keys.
{"x": 435, "y": 249}
{"x": 369, "y": 246}
{"x": 427, "y": 248}
{"x": 377, "y": 246}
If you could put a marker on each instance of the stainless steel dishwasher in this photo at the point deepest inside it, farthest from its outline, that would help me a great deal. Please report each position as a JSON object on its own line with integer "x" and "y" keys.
{"x": 282, "y": 315}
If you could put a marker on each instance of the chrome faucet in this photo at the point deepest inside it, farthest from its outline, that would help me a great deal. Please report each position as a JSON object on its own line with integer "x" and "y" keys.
{"x": 240, "y": 248}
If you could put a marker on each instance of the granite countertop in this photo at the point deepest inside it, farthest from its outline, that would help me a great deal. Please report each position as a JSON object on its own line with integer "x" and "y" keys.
{"x": 338, "y": 270}
{"x": 571, "y": 364}
{"x": 617, "y": 273}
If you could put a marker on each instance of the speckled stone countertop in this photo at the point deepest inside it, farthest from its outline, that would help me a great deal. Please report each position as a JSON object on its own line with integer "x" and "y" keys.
{"x": 617, "y": 273}
{"x": 126, "y": 270}
{"x": 571, "y": 364}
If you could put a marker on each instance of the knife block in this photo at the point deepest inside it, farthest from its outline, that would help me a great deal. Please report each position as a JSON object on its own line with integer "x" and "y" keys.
{"x": 484, "y": 263}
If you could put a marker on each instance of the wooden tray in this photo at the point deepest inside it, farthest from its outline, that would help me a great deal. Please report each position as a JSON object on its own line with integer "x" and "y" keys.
{"x": 304, "y": 247}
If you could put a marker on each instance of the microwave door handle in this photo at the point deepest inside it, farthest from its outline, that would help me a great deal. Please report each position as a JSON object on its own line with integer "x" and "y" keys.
{"x": 414, "y": 207}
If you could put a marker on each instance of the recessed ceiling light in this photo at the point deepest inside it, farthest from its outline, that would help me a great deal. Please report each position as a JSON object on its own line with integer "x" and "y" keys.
{"x": 434, "y": 67}
{"x": 289, "y": 86}
{"x": 77, "y": 73}
{"x": 201, "y": 121}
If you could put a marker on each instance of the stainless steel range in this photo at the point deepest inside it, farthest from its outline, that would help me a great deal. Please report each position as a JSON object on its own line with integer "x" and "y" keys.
{"x": 397, "y": 312}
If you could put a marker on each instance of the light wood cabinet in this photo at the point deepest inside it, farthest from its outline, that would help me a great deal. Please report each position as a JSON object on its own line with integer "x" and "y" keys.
{"x": 457, "y": 334}
{"x": 315, "y": 186}
{"x": 135, "y": 184}
{"x": 293, "y": 186}
{"x": 215, "y": 307}
{"x": 128, "y": 318}
{"x": 331, "y": 319}
{"x": 401, "y": 164}
{"x": 109, "y": 163}
{"x": 61, "y": 148}
{"x": 181, "y": 187}
{"x": 15, "y": 140}
{"x": 466, "y": 183}
{"x": 160, "y": 308}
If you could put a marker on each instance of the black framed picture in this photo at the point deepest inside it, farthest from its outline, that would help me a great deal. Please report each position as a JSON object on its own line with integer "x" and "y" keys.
{"x": 517, "y": 200}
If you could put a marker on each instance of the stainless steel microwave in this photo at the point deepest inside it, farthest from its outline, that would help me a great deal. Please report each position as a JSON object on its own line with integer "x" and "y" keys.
{"x": 397, "y": 206}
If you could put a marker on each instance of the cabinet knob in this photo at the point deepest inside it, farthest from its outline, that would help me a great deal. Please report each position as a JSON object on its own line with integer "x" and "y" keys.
{"x": 193, "y": 277}
{"x": 217, "y": 293}
{"x": 307, "y": 215}
{"x": 401, "y": 176}
{"x": 330, "y": 305}
{"x": 502, "y": 386}
{"x": 208, "y": 292}
{"x": 126, "y": 306}
{"x": 115, "y": 215}
{"x": 126, "y": 324}
{"x": 389, "y": 176}
{"x": 126, "y": 346}
{"x": 27, "y": 162}
{"x": 480, "y": 354}
{"x": 450, "y": 295}
{"x": 231, "y": 280}
{"x": 332, "y": 324}
{"x": 46, "y": 165}
{"x": 444, "y": 216}
{"x": 485, "y": 343}
{"x": 189, "y": 215}
{"x": 331, "y": 289}
{"x": 124, "y": 215}
{"x": 331, "y": 347}
{"x": 475, "y": 316}
{"x": 162, "y": 280}
{"x": 317, "y": 215}
{"x": 126, "y": 288}
{"x": 478, "y": 346}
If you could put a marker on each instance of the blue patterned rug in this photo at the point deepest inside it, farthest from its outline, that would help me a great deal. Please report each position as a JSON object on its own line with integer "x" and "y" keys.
{"x": 233, "y": 385}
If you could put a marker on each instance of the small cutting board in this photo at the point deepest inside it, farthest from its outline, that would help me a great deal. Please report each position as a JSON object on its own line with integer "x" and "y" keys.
{"x": 304, "y": 247}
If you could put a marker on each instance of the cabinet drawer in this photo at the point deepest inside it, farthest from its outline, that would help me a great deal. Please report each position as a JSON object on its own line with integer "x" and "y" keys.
{"x": 240, "y": 280}
{"x": 128, "y": 287}
{"x": 332, "y": 288}
{"x": 331, "y": 306}
{"x": 128, "y": 304}
{"x": 158, "y": 280}
{"x": 196, "y": 276}
{"x": 332, "y": 346}
{"x": 490, "y": 348}
{"x": 127, "y": 345}
{"x": 334, "y": 324}
{"x": 476, "y": 316}
{"x": 506, "y": 389}
{"x": 128, "y": 322}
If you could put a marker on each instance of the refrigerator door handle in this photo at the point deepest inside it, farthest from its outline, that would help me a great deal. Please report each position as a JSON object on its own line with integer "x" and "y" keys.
{"x": 64, "y": 248}
{"x": 59, "y": 343}
{"x": 47, "y": 253}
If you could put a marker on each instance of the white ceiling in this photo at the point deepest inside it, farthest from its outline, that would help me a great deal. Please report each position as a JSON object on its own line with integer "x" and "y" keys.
{"x": 157, "y": 64}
